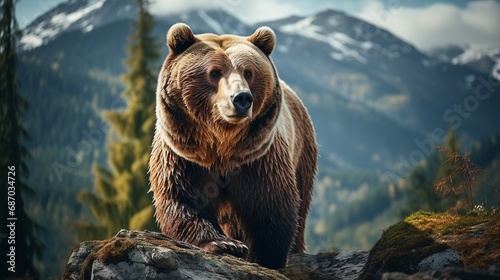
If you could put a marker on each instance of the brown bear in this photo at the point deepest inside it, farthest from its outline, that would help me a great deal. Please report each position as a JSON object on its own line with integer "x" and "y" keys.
{"x": 234, "y": 152}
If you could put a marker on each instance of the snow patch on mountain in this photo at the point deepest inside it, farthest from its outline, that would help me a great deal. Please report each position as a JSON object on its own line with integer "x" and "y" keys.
{"x": 472, "y": 55}
{"x": 342, "y": 43}
{"x": 35, "y": 36}
{"x": 63, "y": 20}
{"x": 88, "y": 28}
{"x": 30, "y": 41}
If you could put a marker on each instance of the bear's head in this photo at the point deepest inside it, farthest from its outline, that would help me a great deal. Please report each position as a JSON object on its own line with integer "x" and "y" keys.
{"x": 218, "y": 96}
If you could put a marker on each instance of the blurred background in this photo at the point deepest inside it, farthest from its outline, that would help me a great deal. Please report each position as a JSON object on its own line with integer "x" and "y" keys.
{"x": 385, "y": 82}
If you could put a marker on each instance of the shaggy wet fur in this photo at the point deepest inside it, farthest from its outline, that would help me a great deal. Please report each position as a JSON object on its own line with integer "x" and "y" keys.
{"x": 231, "y": 185}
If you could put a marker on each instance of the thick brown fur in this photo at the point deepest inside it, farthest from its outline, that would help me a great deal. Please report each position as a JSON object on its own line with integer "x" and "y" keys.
{"x": 226, "y": 182}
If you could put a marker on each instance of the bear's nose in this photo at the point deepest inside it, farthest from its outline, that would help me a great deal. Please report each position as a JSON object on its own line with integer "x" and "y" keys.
{"x": 242, "y": 100}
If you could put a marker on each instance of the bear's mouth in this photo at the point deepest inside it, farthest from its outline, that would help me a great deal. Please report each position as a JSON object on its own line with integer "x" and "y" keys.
{"x": 232, "y": 116}
{"x": 237, "y": 118}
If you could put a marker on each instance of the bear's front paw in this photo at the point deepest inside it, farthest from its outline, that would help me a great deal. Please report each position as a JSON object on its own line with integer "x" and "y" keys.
{"x": 225, "y": 246}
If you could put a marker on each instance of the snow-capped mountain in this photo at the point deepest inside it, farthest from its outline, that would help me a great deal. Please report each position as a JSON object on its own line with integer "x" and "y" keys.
{"x": 352, "y": 40}
{"x": 394, "y": 78}
{"x": 72, "y": 15}
{"x": 371, "y": 95}
{"x": 86, "y": 15}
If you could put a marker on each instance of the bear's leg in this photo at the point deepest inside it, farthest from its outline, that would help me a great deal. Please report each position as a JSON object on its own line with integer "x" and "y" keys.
{"x": 182, "y": 210}
{"x": 269, "y": 243}
{"x": 186, "y": 223}
{"x": 305, "y": 181}
{"x": 267, "y": 205}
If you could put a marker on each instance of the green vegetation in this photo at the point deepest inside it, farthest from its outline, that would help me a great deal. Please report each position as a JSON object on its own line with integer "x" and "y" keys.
{"x": 402, "y": 246}
{"x": 120, "y": 198}
{"x": 21, "y": 247}
{"x": 427, "y": 174}
{"x": 61, "y": 153}
{"x": 69, "y": 136}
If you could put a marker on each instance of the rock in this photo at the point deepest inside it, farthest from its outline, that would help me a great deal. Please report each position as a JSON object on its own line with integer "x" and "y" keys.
{"x": 151, "y": 255}
{"x": 343, "y": 265}
{"x": 446, "y": 258}
{"x": 427, "y": 245}
{"x": 162, "y": 258}
{"x": 451, "y": 273}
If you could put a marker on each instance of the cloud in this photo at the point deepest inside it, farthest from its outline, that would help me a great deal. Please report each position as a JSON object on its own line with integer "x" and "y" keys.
{"x": 438, "y": 24}
{"x": 248, "y": 11}
{"x": 171, "y": 7}
{"x": 258, "y": 11}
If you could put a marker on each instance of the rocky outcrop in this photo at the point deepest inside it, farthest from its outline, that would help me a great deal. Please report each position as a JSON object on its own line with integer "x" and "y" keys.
{"x": 421, "y": 247}
{"x": 450, "y": 273}
{"x": 343, "y": 265}
{"x": 437, "y": 246}
{"x": 151, "y": 255}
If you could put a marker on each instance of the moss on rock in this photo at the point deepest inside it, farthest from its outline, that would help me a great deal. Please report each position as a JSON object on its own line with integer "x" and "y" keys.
{"x": 422, "y": 234}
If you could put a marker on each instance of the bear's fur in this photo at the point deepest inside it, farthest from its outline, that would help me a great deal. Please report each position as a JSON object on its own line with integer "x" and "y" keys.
{"x": 234, "y": 152}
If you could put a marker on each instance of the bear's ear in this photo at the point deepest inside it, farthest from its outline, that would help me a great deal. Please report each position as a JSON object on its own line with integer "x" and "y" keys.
{"x": 264, "y": 39}
{"x": 180, "y": 37}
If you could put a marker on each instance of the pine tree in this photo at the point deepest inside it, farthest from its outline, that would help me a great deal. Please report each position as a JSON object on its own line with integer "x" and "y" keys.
{"x": 13, "y": 156}
{"x": 458, "y": 177}
{"x": 453, "y": 145}
{"x": 120, "y": 198}
{"x": 446, "y": 171}
{"x": 423, "y": 178}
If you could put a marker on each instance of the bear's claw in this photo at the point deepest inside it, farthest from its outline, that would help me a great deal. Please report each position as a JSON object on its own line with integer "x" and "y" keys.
{"x": 225, "y": 246}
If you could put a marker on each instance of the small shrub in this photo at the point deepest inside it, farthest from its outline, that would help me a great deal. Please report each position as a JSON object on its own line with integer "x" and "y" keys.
{"x": 463, "y": 180}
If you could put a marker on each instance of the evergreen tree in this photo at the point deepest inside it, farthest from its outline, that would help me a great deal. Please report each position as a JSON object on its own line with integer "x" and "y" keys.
{"x": 422, "y": 194}
{"x": 446, "y": 170}
{"x": 20, "y": 236}
{"x": 120, "y": 198}
{"x": 423, "y": 178}
{"x": 459, "y": 177}
{"x": 453, "y": 145}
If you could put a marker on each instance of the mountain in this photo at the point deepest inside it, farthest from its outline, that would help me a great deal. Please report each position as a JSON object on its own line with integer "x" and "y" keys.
{"x": 410, "y": 93}
{"x": 86, "y": 15}
{"x": 83, "y": 15}
{"x": 376, "y": 101}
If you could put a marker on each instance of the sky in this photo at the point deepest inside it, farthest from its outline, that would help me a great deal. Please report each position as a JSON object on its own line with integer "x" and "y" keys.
{"x": 426, "y": 24}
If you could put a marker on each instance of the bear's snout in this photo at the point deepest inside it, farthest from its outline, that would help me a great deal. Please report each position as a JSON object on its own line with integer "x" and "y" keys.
{"x": 242, "y": 101}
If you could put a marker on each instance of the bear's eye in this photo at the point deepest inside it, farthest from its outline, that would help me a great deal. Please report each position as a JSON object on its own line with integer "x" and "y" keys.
{"x": 215, "y": 74}
{"x": 248, "y": 74}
